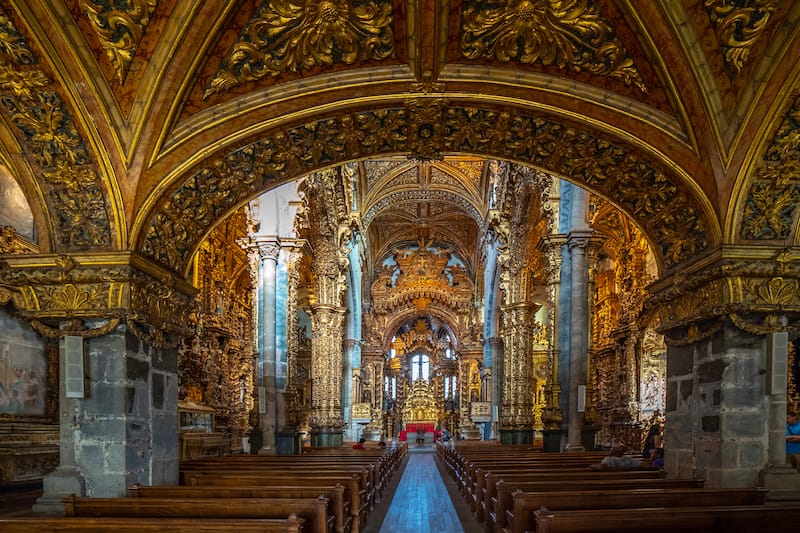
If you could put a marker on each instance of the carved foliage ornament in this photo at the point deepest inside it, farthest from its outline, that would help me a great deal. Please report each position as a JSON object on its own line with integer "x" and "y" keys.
{"x": 72, "y": 186}
{"x": 119, "y": 26}
{"x": 298, "y": 35}
{"x": 739, "y": 24}
{"x": 646, "y": 193}
{"x": 769, "y": 212}
{"x": 564, "y": 33}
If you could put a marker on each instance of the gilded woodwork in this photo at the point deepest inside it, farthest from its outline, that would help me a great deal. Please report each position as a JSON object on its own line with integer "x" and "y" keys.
{"x": 30, "y": 100}
{"x": 770, "y": 210}
{"x": 299, "y": 35}
{"x": 119, "y": 27}
{"x": 422, "y": 404}
{"x": 651, "y": 196}
{"x": 568, "y": 34}
{"x": 738, "y": 25}
{"x": 423, "y": 275}
{"x": 12, "y": 243}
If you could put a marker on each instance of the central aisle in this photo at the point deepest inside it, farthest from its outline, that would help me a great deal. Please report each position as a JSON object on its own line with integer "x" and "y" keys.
{"x": 421, "y": 502}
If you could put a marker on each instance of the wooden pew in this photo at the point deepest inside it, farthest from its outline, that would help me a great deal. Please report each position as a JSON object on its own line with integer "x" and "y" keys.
{"x": 521, "y": 518}
{"x": 722, "y": 519}
{"x": 313, "y": 510}
{"x": 292, "y": 524}
{"x": 485, "y": 489}
{"x": 503, "y": 502}
{"x": 335, "y": 495}
{"x": 353, "y": 493}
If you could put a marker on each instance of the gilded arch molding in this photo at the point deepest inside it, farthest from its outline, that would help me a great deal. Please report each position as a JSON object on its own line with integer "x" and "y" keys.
{"x": 661, "y": 201}
{"x": 449, "y": 319}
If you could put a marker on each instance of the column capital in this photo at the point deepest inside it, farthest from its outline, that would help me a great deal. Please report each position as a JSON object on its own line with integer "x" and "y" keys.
{"x": 118, "y": 287}
{"x": 756, "y": 290}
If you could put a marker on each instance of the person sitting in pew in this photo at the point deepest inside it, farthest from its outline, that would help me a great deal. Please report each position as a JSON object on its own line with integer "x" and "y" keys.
{"x": 657, "y": 458}
{"x": 616, "y": 460}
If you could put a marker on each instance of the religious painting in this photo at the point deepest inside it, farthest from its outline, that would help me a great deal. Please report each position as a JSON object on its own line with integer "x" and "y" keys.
{"x": 23, "y": 370}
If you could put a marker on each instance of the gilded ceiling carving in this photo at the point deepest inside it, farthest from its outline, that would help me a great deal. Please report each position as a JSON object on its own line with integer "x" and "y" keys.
{"x": 119, "y": 27}
{"x": 738, "y": 25}
{"x": 569, "y": 34}
{"x": 420, "y": 195}
{"x": 299, "y": 35}
{"x": 71, "y": 186}
{"x": 771, "y": 206}
{"x": 423, "y": 277}
{"x": 376, "y": 169}
{"x": 647, "y": 193}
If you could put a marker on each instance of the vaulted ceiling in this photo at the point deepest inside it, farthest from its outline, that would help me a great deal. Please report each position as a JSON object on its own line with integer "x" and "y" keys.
{"x": 138, "y": 125}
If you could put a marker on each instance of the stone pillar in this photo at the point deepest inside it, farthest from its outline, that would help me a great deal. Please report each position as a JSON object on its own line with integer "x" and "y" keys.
{"x": 268, "y": 250}
{"x": 494, "y": 347}
{"x": 578, "y": 243}
{"x": 351, "y": 352}
{"x": 782, "y": 480}
{"x": 124, "y": 430}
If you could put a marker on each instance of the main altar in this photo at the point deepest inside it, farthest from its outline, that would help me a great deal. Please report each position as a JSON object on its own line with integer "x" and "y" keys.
{"x": 420, "y": 414}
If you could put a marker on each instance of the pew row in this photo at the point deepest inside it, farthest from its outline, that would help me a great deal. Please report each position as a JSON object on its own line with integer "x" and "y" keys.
{"x": 292, "y": 524}
{"x": 313, "y": 510}
{"x": 521, "y": 517}
{"x": 719, "y": 519}
{"x": 335, "y": 495}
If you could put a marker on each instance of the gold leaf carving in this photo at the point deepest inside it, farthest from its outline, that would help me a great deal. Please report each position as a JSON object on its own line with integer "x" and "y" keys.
{"x": 297, "y": 35}
{"x": 69, "y": 297}
{"x": 119, "y": 26}
{"x": 739, "y": 24}
{"x": 564, "y": 33}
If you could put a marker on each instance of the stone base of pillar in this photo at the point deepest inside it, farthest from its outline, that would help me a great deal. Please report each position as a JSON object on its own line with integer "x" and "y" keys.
{"x": 587, "y": 438}
{"x": 551, "y": 440}
{"x": 516, "y": 436}
{"x": 332, "y": 439}
{"x": 288, "y": 442}
{"x": 57, "y": 485}
{"x": 782, "y": 482}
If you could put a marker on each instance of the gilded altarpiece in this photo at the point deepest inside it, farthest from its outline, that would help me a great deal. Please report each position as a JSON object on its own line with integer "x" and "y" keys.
{"x": 216, "y": 363}
{"x": 627, "y": 364}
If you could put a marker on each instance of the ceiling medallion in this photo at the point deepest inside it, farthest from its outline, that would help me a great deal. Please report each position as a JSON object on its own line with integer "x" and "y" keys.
{"x": 563, "y": 33}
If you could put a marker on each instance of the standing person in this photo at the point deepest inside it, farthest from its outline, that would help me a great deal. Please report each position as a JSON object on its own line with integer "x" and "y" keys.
{"x": 792, "y": 438}
{"x": 653, "y": 439}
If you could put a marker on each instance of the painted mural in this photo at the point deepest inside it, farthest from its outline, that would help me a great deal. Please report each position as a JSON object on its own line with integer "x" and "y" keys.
{"x": 23, "y": 369}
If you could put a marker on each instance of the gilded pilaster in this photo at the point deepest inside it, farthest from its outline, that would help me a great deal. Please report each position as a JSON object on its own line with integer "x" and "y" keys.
{"x": 326, "y": 370}
{"x": 517, "y": 407}
{"x": 552, "y": 246}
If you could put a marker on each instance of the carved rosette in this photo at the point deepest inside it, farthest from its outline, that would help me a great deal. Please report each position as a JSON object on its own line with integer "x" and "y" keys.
{"x": 517, "y": 409}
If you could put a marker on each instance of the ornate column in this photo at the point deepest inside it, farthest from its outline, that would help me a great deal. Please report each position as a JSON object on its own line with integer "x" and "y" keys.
{"x": 578, "y": 242}
{"x": 552, "y": 245}
{"x": 516, "y": 415}
{"x": 351, "y": 351}
{"x": 118, "y": 319}
{"x": 326, "y": 376}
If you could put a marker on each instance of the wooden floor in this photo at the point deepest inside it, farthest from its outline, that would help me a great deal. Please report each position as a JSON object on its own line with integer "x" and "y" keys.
{"x": 425, "y": 500}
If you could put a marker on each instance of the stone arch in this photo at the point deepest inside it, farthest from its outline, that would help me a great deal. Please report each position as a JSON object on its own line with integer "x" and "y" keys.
{"x": 665, "y": 203}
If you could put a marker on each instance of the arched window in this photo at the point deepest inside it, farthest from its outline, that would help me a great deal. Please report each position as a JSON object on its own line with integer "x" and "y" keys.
{"x": 420, "y": 367}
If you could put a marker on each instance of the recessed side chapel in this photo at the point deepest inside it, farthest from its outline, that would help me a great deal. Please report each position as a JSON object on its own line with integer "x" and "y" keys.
{"x": 263, "y": 226}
